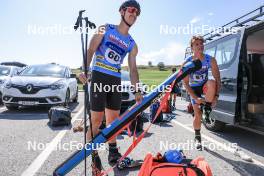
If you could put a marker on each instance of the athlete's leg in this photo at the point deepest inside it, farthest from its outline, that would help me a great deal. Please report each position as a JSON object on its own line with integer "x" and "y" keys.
{"x": 112, "y": 110}
{"x": 197, "y": 117}
{"x": 96, "y": 119}
{"x": 111, "y": 115}
{"x": 97, "y": 103}
{"x": 209, "y": 90}
{"x": 114, "y": 154}
{"x": 174, "y": 99}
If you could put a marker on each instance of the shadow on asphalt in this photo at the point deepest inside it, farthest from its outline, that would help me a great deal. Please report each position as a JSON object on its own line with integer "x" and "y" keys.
{"x": 59, "y": 128}
{"x": 124, "y": 172}
{"x": 245, "y": 139}
{"x": 239, "y": 166}
{"x": 31, "y": 113}
{"x": 121, "y": 136}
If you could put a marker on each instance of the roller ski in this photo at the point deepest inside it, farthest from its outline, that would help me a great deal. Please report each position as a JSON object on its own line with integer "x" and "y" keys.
{"x": 206, "y": 110}
{"x": 127, "y": 163}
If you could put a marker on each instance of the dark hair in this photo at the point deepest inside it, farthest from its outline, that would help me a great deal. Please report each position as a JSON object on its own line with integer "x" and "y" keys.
{"x": 173, "y": 69}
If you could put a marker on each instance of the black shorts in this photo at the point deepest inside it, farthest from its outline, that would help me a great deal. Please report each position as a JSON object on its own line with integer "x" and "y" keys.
{"x": 199, "y": 91}
{"x": 104, "y": 92}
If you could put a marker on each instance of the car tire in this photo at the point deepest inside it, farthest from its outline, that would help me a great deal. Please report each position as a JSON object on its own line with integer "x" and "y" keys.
{"x": 67, "y": 98}
{"x": 214, "y": 125}
{"x": 12, "y": 107}
{"x": 75, "y": 100}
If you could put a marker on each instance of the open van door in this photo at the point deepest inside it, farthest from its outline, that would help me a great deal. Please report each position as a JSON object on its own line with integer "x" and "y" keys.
{"x": 226, "y": 50}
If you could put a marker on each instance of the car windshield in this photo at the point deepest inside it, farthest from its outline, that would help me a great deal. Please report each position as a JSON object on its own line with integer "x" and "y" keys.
{"x": 125, "y": 76}
{"x": 5, "y": 71}
{"x": 44, "y": 70}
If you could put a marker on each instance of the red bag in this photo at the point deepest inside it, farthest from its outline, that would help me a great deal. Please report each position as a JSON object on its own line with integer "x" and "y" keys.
{"x": 166, "y": 108}
{"x": 153, "y": 167}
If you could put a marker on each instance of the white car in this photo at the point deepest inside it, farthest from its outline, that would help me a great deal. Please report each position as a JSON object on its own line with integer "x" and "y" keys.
{"x": 128, "y": 94}
{"x": 41, "y": 85}
{"x": 6, "y": 72}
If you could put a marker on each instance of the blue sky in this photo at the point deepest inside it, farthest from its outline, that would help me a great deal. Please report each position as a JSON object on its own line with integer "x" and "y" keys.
{"x": 18, "y": 42}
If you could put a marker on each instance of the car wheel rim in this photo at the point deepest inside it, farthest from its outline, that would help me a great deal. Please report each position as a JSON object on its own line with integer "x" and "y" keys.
{"x": 211, "y": 121}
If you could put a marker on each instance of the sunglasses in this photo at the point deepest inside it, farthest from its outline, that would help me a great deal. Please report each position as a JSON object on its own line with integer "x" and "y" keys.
{"x": 133, "y": 10}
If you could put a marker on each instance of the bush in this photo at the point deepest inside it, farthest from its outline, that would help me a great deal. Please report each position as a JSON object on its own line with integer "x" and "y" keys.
{"x": 161, "y": 66}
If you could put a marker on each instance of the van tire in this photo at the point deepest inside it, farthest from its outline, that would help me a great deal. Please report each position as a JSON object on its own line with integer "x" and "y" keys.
{"x": 215, "y": 125}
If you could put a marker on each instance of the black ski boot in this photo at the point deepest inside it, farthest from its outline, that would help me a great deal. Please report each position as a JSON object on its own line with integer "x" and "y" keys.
{"x": 113, "y": 155}
{"x": 206, "y": 110}
{"x": 198, "y": 140}
{"x": 96, "y": 165}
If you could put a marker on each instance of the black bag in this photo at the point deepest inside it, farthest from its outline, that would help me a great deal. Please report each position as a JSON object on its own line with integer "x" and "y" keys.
{"x": 59, "y": 115}
{"x": 137, "y": 124}
{"x": 153, "y": 111}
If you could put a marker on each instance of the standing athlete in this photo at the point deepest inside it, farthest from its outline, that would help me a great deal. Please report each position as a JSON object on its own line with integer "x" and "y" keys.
{"x": 197, "y": 83}
{"x": 108, "y": 50}
{"x": 174, "y": 92}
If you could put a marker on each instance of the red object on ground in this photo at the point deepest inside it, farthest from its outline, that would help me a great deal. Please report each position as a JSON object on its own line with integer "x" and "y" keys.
{"x": 166, "y": 108}
{"x": 156, "y": 167}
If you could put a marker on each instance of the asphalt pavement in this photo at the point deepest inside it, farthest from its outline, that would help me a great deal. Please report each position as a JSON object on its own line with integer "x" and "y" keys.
{"x": 30, "y": 146}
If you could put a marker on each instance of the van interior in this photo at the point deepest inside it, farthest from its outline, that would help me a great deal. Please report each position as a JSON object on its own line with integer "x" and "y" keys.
{"x": 254, "y": 69}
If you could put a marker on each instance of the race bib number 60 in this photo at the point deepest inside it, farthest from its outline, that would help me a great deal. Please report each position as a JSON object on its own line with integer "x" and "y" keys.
{"x": 112, "y": 57}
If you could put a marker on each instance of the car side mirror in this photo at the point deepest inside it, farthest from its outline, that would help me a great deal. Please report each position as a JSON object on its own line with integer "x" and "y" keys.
{"x": 73, "y": 76}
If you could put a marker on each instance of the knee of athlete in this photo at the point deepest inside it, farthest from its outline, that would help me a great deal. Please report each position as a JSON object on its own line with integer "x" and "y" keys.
{"x": 211, "y": 84}
{"x": 197, "y": 113}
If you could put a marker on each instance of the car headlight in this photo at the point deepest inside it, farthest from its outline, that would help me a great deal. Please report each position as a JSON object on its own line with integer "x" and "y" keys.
{"x": 8, "y": 85}
{"x": 57, "y": 86}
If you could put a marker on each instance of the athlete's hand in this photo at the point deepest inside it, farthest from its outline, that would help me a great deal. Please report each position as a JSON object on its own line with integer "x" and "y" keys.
{"x": 138, "y": 97}
{"x": 200, "y": 101}
{"x": 82, "y": 78}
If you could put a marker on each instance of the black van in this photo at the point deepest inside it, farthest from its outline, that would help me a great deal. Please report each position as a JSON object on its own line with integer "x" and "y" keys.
{"x": 240, "y": 57}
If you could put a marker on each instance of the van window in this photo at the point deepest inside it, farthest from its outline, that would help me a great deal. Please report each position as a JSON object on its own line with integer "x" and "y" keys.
{"x": 210, "y": 51}
{"x": 223, "y": 50}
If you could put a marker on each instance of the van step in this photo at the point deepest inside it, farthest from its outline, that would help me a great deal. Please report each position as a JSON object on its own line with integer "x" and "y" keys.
{"x": 252, "y": 128}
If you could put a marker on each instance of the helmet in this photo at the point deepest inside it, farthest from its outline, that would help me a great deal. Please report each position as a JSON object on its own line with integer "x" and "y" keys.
{"x": 130, "y": 3}
{"x": 174, "y": 156}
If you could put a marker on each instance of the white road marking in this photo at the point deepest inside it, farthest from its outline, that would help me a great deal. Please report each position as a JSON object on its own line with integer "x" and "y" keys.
{"x": 42, "y": 157}
{"x": 219, "y": 144}
{"x": 3, "y": 108}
